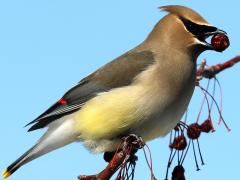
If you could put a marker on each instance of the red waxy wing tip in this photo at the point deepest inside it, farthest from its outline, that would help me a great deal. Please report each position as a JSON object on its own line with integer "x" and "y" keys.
{"x": 62, "y": 102}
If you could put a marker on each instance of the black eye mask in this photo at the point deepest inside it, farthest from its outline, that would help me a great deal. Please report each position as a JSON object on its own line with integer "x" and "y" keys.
{"x": 196, "y": 29}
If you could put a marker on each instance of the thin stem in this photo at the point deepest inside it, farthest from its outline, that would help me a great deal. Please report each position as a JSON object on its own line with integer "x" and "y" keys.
{"x": 217, "y": 109}
{"x": 203, "y": 102}
{"x": 213, "y": 93}
{"x": 195, "y": 156}
{"x": 221, "y": 98}
{"x": 205, "y": 94}
{"x": 189, "y": 143}
{"x": 169, "y": 163}
{"x": 200, "y": 153}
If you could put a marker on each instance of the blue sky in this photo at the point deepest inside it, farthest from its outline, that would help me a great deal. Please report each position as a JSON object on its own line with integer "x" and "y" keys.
{"x": 46, "y": 47}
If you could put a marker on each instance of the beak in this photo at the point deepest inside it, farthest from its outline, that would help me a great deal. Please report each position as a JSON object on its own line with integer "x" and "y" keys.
{"x": 209, "y": 45}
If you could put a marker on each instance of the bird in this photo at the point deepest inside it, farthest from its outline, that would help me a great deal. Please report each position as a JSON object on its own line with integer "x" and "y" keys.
{"x": 145, "y": 91}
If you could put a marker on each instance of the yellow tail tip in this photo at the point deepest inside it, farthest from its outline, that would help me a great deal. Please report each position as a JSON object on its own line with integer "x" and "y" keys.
{"x": 6, "y": 174}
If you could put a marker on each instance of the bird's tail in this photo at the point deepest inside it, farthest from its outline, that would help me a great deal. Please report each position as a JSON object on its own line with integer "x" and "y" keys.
{"x": 26, "y": 157}
{"x": 54, "y": 138}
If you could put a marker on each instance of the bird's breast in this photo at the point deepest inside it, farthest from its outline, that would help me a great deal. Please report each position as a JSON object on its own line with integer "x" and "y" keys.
{"x": 167, "y": 98}
{"x": 165, "y": 115}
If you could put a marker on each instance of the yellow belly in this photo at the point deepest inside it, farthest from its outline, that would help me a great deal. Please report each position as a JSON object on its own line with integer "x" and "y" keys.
{"x": 109, "y": 114}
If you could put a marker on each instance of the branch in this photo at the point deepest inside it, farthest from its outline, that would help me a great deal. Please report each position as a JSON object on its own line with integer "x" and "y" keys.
{"x": 130, "y": 146}
{"x": 212, "y": 71}
{"x": 108, "y": 172}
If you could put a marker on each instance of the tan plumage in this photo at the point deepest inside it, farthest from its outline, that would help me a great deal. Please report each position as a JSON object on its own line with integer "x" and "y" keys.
{"x": 143, "y": 92}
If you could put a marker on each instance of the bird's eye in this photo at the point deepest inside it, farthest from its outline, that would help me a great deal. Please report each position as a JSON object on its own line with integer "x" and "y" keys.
{"x": 191, "y": 27}
{"x": 196, "y": 29}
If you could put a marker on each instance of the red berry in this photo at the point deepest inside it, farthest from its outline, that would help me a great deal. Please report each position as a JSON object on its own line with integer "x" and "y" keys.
{"x": 62, "y": 102}
{"x": 220, "y": 42}
{"x": 194, "y": 131}
{"x": 178, "y": 173}
{"x": 207, "y": 126}
{"x": 179, "y": 143}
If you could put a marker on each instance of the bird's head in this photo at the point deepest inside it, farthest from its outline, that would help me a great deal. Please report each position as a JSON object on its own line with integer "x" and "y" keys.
{"x": 184, "y": 29}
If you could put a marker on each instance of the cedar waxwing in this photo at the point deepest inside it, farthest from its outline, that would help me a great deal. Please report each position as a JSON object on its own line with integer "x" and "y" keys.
{"x": 144, "y": 92}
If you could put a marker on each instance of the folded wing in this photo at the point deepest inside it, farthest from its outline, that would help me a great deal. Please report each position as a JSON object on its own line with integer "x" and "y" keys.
{"x": 119, "y": 72}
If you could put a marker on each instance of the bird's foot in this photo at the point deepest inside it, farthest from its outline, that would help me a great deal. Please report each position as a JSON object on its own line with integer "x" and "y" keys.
{"x": 133, "y": 140}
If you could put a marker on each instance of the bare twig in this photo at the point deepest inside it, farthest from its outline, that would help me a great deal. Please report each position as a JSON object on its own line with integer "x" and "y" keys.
{"x": 212, "y": 71}
{"x": 108, "y": 172}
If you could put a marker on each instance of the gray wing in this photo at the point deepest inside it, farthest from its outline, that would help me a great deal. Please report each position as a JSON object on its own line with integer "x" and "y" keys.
{"x": 119, "y": 72}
